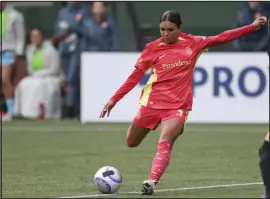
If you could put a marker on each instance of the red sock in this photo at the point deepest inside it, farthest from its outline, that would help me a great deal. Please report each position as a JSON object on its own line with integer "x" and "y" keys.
{"x": 161, "y": 160}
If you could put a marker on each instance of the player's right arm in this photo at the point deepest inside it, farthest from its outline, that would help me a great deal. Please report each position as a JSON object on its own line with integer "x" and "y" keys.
{"x": 143, "y": 64}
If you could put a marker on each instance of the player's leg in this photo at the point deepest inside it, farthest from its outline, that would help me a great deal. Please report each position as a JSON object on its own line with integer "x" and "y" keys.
{"x": 171, "y": 128}
{"x": 264, "y": 153}
{"x": 7, "y": 60}
{"x": 135, "y": 135}
{"x": 145, "y": 121}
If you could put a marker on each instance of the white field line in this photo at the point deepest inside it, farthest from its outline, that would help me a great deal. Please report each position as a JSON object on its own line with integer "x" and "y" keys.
{"x": 172, "y": 189}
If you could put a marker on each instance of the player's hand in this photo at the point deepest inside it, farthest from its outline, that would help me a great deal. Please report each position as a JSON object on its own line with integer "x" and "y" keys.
{"x": 259, "y": 22}
{"x": 107, "y": 109}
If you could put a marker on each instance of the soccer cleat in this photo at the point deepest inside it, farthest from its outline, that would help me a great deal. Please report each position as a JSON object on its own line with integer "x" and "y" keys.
{"x": 148, "y": 187}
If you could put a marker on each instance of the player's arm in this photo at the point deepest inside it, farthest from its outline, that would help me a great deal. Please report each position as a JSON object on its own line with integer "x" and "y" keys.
{"x": 230, "y": 35}
{"x": 128, "y": 85}
{"x": 143, "y": 64}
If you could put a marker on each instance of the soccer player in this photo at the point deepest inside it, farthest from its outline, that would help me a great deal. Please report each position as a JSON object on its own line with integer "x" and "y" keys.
{"x": 264, "y": 153}
{"x": 167, "y": 97}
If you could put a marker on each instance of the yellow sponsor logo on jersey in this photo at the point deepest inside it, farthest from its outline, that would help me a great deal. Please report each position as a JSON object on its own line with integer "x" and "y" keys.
{"x": 176, "y": 64}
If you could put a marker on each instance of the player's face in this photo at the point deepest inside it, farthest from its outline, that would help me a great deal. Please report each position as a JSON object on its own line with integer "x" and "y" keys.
{"x": 169, "y": 31}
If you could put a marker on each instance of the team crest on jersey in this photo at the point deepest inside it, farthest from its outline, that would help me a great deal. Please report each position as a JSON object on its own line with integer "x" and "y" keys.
{"x": 189, "y": 51}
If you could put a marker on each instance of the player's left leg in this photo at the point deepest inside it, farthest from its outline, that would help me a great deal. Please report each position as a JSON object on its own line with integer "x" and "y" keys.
{"x": 172, "y": 127}
{"x": 264, "y": 153}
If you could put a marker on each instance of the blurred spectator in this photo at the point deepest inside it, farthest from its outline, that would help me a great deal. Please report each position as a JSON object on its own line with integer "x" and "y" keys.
{"x": 39, "y": 92}
{"x": 12, "y": 46}
{"x": 257, "y": 41}
{"x": 100, "y": 29}
{"x": 69, "y": 29}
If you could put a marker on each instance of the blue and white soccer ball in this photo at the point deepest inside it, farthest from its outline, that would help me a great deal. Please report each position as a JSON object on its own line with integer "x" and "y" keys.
{"x": 108, "y": 180}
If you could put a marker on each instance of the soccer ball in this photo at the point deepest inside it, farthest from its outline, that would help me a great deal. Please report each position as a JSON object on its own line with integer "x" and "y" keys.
{"x": 108, "y": 180}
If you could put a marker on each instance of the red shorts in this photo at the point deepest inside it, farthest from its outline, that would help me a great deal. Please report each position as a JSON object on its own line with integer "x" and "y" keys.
{"x": 151, "y": 118}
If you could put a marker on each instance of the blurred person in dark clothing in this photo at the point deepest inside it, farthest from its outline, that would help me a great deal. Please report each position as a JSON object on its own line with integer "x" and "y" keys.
{"x": 264, "y": 154}
{"x": 257, "y": 41}
{"x": 69, "y": 28}
{"x": 100, "y": 29}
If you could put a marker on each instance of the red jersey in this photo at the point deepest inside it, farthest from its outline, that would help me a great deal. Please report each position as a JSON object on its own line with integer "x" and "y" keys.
{"x": 170, "y": 85}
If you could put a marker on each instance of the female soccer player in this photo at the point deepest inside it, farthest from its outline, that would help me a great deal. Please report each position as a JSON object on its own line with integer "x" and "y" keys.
{"x": 167, "y": 97}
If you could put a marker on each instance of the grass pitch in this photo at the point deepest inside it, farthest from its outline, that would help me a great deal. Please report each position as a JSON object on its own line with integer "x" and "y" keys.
{"x": 58, "y": 159}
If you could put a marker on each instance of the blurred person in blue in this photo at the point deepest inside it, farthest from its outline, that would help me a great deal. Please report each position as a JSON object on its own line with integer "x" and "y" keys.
{"x": 257, "y": 41}
{"x": 100, "y": 29}
{"x": 40, "y": 89}
{"x": 69, "y": 29}
{"x": 12, "y": 46}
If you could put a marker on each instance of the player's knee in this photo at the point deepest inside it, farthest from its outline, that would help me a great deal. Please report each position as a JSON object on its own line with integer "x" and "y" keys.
{"x": 135, "y": 135}
{"x": 131, "y": 142}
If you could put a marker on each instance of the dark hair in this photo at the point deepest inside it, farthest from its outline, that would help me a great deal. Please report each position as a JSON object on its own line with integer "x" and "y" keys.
{"x": 39, "y": 30}
{"x": 171, "y": 16}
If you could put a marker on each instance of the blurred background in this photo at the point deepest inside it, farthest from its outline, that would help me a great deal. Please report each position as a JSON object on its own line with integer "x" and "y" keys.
{"x": 70, "y": 28}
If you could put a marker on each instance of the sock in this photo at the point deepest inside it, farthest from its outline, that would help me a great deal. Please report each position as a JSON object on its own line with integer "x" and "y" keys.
{"x": 161, "y": 161}
{"x": 10, "y": 106}
{"x": 265, "y": 165}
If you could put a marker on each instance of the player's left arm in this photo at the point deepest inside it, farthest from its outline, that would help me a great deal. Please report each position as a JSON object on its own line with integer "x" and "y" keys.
{"x": 230, "y": 35}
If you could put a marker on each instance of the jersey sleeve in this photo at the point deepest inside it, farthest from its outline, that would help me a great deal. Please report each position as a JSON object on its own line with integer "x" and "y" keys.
{"x": 145, "y": 60}
{"x": 224, "y": 37}
{"x": 128, "y": 85}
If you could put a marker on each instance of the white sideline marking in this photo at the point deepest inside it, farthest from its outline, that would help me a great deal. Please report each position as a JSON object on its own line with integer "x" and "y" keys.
{"x": 173, "y": 189}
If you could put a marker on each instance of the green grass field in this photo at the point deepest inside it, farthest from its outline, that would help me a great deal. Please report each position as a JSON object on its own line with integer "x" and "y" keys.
{"x": 58, "y": 159}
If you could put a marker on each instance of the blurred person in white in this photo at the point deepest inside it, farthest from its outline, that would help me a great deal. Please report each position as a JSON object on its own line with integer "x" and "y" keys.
{"x": 100, "y": 29}
{"x": 12, "y": 46}
{"x": 41, "y": 87}
{"x": 257, "y": 41}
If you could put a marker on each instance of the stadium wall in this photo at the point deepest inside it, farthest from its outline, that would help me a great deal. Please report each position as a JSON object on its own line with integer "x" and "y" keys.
{"x": 228, "y": 87}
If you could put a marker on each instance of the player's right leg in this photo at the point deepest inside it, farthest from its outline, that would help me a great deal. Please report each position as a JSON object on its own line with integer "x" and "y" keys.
{"x": 145, "y": 121}
{"x": 135, "y": 135}
{"x": 265, "y": 164}
{"x": 6, "y": 62}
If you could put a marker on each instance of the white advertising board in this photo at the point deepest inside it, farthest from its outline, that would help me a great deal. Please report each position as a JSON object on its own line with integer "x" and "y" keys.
{"x": 228, "y": 87}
